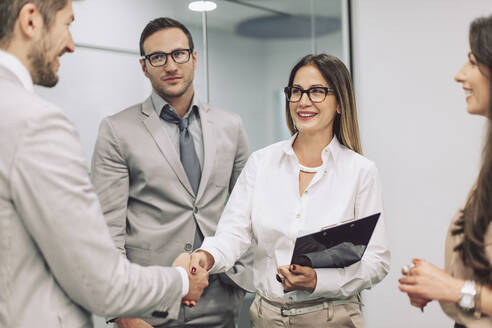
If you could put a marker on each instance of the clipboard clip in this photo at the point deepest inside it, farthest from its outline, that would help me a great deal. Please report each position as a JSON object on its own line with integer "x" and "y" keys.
{"x": 336, "y": 224}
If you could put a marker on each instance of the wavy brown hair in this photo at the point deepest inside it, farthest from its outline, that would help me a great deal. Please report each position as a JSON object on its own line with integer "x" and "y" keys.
{"x": 345, "y": 126}
{"x": 477, "y": 213}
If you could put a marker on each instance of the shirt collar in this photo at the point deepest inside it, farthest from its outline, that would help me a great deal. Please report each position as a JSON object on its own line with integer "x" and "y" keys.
{"x": 333, "y": 148}
{"x": 159, "y": 103}
{"x": 13, "y": 64}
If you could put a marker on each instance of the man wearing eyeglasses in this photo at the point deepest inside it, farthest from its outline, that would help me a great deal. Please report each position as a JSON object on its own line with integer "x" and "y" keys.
{"x": 163, "y": 170}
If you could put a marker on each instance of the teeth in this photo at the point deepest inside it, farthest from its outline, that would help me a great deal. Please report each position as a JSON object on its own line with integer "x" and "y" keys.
{"x": 306, "y": 115}
{"x": 468, "y": 92}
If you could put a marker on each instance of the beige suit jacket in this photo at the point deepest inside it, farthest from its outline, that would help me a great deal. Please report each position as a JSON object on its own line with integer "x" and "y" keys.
{"x": 57, "y": 260}
{"x": 146, "y": 197}
{"x": 454, "y": 266}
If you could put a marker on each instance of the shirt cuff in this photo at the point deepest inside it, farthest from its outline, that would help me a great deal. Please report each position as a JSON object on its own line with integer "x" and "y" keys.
{"x": 328, "y": 282}
{"x": 184, "y": 278}
{"x": 214, "y": 268}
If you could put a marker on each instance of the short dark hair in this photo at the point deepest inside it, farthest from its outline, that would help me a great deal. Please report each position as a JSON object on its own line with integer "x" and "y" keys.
{"x": 10, "y": 9}
{"x": 162, "y": 23}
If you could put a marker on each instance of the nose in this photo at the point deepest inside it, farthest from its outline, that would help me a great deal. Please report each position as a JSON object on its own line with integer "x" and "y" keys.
{"x": 305, "y": 101}
{"x": 170, "y": 65}
{"x": 70, "y": 47}
{"x": 460, "y": 75}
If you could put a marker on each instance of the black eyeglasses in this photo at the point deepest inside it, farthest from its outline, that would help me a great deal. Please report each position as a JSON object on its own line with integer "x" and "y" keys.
{"x": 159, "y": 58}
{"x": 315, "y": 94}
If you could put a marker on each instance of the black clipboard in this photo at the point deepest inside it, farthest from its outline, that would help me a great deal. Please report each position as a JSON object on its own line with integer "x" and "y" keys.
{"x": 335, "y": 246}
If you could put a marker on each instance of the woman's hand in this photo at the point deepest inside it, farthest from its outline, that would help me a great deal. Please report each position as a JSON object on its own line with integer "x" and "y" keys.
{"x": 201, "y": 258}
{"x": 297, "y": 277}
{"x": 426, "y": 282}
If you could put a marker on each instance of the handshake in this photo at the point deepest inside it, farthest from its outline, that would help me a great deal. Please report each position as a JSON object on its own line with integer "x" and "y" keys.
{"x": 196, "y": 265}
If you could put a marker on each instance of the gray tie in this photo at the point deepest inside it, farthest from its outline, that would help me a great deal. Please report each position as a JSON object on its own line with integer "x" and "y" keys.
{"x": 187, "y": 152}
{"x": 188, "y": 157}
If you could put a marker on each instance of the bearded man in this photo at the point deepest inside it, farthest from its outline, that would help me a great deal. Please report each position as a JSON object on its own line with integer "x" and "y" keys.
{"x": 57, "y": 260}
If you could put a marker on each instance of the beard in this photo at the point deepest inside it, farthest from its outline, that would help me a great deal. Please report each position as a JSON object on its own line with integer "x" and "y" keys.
{"x": 43, "y": 71}
{"x": 168, "y": 93}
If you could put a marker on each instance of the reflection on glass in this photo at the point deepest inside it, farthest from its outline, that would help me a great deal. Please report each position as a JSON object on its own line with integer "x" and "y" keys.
{"x": 254, "y": 44}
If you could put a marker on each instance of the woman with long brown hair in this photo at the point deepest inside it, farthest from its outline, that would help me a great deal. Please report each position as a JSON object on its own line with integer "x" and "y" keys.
{"x": 298, "y": 186}
{"x": 464, "y": 288}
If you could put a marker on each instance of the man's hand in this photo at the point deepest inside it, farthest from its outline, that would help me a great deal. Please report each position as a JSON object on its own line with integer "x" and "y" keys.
{"x": 131, "y": 323}
{"x": 183, "y": 260}
{"x": 198, "y": 278}
{"x": 297, "y": 277}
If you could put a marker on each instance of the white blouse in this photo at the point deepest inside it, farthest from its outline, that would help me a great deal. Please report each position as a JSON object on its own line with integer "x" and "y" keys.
{"x": 265, "y": 208}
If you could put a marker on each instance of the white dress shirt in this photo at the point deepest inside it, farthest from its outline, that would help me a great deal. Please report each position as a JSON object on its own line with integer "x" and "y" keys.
{"x": 265, "y": 205}
{"x": 172, "y": 129}
{"x": 14, "y": 65}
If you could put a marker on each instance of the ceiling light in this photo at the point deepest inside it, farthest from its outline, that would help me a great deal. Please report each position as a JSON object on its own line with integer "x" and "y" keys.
{"x": 202, "y": 6}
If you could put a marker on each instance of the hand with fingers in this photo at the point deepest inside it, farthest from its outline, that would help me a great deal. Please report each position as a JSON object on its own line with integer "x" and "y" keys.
{"x": 203, "y": 259}
{"x": 425, "y": 282}
{"x": 297, "y": 277}
{"x": 197, "y": 277}
{"x": 415, "y": 300}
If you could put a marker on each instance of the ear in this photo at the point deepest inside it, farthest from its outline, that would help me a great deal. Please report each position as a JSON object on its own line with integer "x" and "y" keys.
{"x": 144, "y": 68}
{"x": 339, "y": 110}
{"x": 193, "y": 57}
{"x": 30, "y": 21}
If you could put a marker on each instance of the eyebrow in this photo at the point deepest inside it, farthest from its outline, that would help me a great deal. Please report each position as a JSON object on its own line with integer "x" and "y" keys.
{"x": 312, "y": 86}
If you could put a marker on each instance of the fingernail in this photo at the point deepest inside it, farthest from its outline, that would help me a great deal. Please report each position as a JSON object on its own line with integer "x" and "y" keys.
{"x": 193, "y": 270}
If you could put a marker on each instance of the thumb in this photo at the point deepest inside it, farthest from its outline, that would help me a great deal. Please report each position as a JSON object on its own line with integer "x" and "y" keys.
{"x": 297, "y": 269}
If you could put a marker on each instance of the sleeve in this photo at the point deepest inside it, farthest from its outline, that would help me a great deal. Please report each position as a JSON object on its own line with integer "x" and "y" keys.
{"x": 110, "y": 178}
{"x": 242, "y": 154}
{"x": 55, "y": 200}
{"x": 233, "y": 235}
{"x": 348, "y": 281}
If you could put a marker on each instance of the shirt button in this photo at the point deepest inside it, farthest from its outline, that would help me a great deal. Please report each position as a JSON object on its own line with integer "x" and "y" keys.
{"x": 306, "y": 191}
{"x": 195, "y": 210}
{"x": 188, "y": 247}
{"x": 298, "y": 215}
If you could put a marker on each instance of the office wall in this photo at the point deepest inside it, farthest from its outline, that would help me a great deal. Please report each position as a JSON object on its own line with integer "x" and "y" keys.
{"x": 415, "y": 127}
{"x": 96, "y": 83}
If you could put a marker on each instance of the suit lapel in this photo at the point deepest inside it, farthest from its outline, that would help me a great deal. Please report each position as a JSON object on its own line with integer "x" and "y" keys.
{"x": 209, "y": 147}
{"x": 153, "y": 124}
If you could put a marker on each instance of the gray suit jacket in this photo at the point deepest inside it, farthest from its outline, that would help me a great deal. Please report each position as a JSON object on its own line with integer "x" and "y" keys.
{"x": 57, "y": 260}
{"x": 146, "y": 197}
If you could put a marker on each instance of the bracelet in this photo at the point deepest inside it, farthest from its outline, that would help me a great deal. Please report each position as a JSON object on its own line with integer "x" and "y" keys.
{"x": 478, "y": 297}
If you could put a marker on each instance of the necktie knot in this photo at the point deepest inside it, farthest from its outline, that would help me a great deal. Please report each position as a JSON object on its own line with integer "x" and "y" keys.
{"x": 171, "y": 116}
{"x": 183, "y": 124}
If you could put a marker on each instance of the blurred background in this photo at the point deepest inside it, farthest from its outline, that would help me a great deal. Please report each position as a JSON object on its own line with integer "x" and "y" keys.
{"x": 403, "y": 56}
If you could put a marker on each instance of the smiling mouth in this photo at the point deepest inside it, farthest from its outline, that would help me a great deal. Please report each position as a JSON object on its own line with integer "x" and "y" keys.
{"x": 306, "y": 115}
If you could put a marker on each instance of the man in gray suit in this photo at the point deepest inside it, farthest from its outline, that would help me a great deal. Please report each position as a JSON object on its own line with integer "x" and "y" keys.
{"x": 57, "y": 260}
{"x": 163, "y": 170}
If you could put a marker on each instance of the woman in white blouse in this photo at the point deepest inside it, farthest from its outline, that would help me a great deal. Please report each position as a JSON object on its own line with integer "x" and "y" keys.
{"x": 296, "y": 187}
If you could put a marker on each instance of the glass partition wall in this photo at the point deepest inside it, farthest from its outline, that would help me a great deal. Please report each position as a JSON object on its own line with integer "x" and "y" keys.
{"x": 251, "y": 47}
